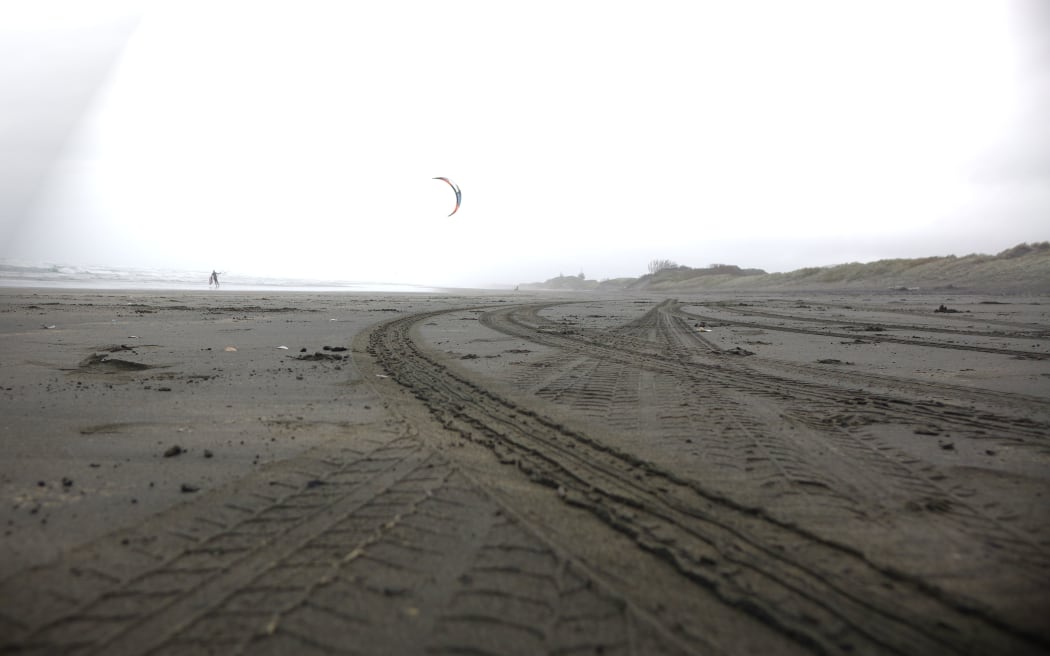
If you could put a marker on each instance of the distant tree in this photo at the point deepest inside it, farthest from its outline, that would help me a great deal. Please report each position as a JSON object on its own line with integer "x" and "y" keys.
{"x": 581, "y": 276}
{"x": 660, "y": 265}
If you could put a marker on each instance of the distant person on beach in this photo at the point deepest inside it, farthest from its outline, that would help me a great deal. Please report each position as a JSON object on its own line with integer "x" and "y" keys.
{"x": 214, "y": 279}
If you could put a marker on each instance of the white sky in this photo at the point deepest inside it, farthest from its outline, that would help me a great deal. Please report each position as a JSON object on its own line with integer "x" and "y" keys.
{"x": 301, "y": 138}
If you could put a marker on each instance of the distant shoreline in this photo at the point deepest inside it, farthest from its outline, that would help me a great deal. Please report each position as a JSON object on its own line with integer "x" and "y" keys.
{"x": 20, "y": 275}
{"x": 89, "y": 285}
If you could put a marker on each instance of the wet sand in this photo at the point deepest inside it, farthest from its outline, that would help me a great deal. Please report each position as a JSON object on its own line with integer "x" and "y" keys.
{"x": 738, "y": 473}
{"x": 99, "y": 386}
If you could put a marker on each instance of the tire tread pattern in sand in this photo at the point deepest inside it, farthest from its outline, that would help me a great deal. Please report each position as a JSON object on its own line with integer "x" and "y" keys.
{"x": 386, "y": 551}
{"x": 838, "y": 415}
{"x": 821, "y": 593}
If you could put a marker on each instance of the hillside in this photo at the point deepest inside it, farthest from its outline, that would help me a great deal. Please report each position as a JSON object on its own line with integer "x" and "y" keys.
{"x": 1025, "y": 268}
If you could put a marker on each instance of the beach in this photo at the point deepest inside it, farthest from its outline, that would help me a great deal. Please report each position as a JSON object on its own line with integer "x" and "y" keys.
{"x": 535, "y": 472}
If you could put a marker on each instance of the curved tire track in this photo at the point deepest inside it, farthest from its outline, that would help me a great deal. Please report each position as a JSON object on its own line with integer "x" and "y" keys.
{"x": 820, "y": 593}
{"x": 874, "y": 337}
{"x": 839, "y": 418}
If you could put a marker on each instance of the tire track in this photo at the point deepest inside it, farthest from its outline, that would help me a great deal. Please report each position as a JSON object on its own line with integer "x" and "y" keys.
{"x": 1018, "y": 429}
{"x": 525, "y": 323}
{"x": 884, "y": 472}
{"x": 391, "y": 550}
{"x": 878, "y": 470}
{"x": 1028, "y": 334}
{"x": 822, "y": 594}
{"x": 114, "y": 622}
{"x": 1018, "y": 325}
{"x": 874, "y": 337}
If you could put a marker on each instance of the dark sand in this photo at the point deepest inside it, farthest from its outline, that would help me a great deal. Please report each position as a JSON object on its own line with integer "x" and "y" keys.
{"x": 524, "y": 473}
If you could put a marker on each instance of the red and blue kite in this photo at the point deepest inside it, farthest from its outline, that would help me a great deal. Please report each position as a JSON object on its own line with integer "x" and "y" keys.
{"x": 459, "y": 194}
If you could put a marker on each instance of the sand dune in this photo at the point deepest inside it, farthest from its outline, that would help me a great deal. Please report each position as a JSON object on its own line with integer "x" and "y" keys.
{"x": 1022, "y": 269}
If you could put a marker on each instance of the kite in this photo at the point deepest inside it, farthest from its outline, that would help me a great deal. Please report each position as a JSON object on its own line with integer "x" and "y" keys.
{"x": 459, "y": 194}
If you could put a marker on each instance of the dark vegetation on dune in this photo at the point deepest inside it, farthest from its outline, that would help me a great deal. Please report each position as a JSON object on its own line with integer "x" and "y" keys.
{"x": 1023, "y": 268}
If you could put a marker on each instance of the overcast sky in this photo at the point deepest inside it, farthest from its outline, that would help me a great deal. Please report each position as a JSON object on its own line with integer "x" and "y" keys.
{"x": 301, "y": 138}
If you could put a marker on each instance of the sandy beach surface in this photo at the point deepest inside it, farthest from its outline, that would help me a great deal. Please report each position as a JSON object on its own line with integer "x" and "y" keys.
{"x": 524, "y": 473}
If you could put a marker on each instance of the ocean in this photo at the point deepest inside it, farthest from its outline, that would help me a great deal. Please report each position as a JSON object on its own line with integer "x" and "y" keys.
{"x": 99, "y": 277}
